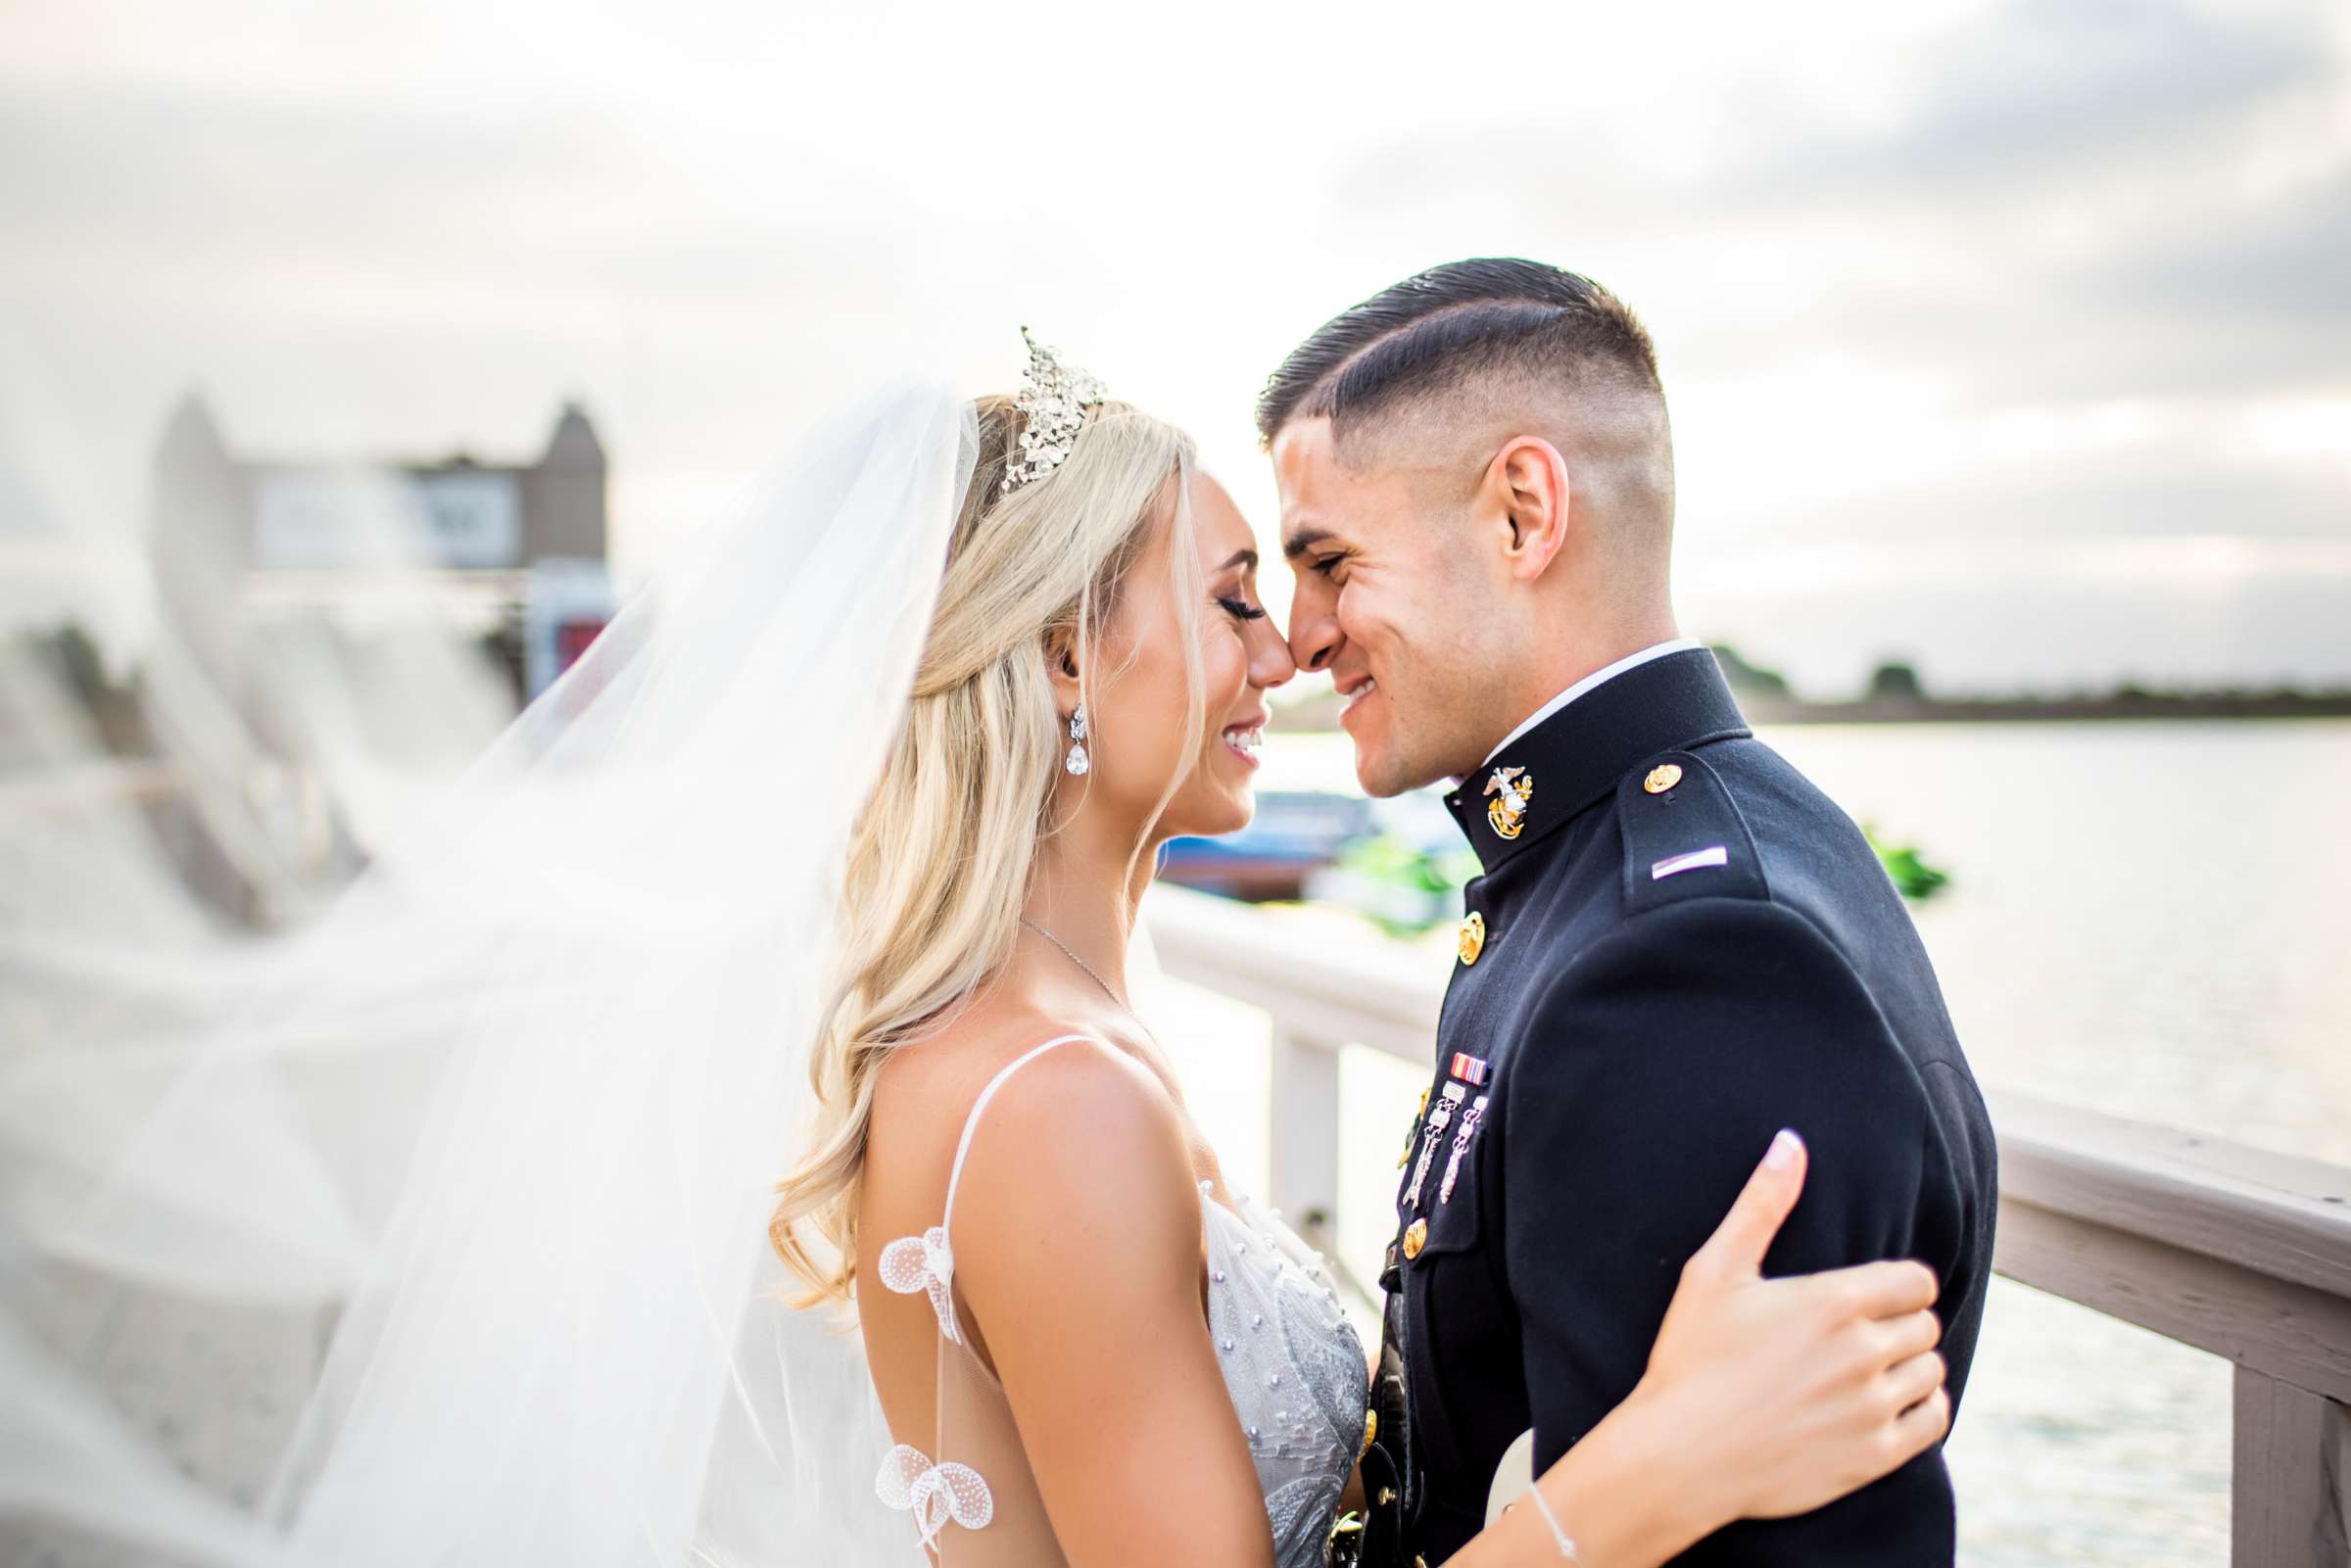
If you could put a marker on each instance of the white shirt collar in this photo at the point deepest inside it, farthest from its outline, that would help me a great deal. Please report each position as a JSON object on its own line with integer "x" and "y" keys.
{"x": 1596, "y": 679}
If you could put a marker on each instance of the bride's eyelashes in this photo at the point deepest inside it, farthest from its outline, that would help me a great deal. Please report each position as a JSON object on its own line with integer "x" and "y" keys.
{"x": 1241, "y": 610}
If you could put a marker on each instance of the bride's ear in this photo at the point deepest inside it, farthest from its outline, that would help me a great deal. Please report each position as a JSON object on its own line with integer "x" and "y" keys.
{"x": 1061, "y": 668}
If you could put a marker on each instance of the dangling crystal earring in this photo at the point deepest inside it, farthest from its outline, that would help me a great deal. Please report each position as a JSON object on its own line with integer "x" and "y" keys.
{"x": 1076, "y": 761}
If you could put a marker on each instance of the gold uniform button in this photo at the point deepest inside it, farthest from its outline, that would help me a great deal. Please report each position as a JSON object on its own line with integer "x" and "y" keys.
{"x": 1473, "y": 936}
{"x": 1415, "y": 1237}
{"x": 1662, "y": 777}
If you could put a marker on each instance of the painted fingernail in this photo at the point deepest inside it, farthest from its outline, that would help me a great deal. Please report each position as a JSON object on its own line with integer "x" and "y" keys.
{"x": 1782, "y": 1153}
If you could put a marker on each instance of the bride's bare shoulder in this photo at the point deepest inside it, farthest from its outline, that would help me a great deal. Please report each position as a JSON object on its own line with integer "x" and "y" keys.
{"x": 934, "y": 1080}
{"x": 1086, "y": 1110}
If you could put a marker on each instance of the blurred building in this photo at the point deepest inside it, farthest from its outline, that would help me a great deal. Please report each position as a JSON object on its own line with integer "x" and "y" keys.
{"x": 335, "y": 635}
{"x": 513, "y": 551}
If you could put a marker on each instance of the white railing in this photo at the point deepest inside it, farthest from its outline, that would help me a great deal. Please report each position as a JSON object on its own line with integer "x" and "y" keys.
{"x": 2232, "y": 1249}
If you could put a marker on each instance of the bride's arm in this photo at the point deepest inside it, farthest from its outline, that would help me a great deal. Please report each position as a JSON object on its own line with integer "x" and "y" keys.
{"x": 1762, "y": 1399}
{"x": 1078, "y": 1246}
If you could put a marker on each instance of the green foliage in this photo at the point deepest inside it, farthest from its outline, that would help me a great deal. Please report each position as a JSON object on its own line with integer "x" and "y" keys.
{"x": 1393, "y": 861}
{"x": 1912, "y": 877}
{"x": 1750, "y": 679}
{"x": 1387, "y": 858}
{"x": 1428, "y": 879}
{"x": 1895, "y": 682}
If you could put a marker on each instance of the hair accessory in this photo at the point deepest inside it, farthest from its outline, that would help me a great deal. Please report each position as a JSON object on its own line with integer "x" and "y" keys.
{"x": 1053, "y": 401}
{"x": 1077, "y": 761}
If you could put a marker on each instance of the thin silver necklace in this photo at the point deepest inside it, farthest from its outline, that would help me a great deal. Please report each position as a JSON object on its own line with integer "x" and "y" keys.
{"x": 1075, "y": 959}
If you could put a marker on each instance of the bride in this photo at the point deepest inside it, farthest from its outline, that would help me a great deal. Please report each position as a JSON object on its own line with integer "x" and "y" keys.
{"x": 452, "y": 1232}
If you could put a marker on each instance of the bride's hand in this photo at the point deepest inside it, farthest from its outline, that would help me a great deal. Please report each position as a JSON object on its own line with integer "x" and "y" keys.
{"x": 1793, "y": 1392}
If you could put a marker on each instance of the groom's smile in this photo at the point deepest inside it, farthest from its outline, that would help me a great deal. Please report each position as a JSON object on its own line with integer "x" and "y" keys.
{"x": 1383, "y": 604}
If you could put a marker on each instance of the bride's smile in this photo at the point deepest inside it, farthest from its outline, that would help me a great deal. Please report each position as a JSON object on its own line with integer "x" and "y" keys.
{"x": 1144, "y": 691}
{"x": 1244, "y": 740}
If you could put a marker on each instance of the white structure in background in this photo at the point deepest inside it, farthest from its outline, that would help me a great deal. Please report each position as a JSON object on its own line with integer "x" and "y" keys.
{"x": 337, "y": 637}
{"x": 568, "y": 602}
{"x": 517, "y": 550}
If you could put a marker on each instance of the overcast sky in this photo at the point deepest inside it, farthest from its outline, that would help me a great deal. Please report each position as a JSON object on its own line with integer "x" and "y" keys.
{"x": 2015, "y": 338}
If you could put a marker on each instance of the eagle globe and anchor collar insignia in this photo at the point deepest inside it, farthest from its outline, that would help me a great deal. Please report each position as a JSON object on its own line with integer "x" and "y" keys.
{"x": 1510, "y": 792}
{"x": 1635, "y": 724}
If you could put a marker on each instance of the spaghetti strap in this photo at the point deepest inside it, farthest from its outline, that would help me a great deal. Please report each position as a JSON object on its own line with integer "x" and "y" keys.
{"x": 926, "y": 1263}
{"x": 963, "y": 1145}
{"x": 953, "y": 1490}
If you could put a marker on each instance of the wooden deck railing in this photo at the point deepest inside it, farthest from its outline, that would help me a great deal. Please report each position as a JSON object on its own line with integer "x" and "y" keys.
{"x": 2232, "y": 1249}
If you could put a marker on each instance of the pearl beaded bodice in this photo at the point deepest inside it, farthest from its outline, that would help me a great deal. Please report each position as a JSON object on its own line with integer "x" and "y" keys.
{"x": 1292, "y": 1364}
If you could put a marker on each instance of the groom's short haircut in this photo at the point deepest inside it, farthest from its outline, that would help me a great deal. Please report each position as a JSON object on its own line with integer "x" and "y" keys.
{"x": 1473, "y": 338}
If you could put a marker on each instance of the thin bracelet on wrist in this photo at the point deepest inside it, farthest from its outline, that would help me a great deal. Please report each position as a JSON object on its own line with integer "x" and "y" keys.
{"x": 1567, "y": 1551}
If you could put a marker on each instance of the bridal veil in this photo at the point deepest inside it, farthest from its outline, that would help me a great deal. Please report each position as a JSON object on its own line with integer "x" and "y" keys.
{"x": 437, "y": 1233}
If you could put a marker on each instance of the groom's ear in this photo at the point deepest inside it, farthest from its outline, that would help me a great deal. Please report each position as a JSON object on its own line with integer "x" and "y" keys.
{"x": 1529, "y": 486}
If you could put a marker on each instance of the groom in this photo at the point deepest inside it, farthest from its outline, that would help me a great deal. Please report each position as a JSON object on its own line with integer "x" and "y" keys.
{"x": 1678, "y": 946}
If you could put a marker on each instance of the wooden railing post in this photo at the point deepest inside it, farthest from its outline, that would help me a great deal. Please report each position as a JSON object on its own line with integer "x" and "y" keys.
{"x": 1302, "y": 1123}
{"x": 2292, "y": 1482}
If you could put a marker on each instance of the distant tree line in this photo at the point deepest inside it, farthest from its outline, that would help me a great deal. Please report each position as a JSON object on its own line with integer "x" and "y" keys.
{"x": 1896, "y": 691}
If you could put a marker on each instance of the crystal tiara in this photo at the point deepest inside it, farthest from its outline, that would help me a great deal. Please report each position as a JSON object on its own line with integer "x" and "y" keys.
{"x": 1053, "y": 401}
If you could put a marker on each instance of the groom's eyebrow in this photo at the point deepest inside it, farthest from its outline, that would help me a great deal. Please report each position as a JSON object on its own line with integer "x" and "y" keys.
{"x": 1304, "y": 539}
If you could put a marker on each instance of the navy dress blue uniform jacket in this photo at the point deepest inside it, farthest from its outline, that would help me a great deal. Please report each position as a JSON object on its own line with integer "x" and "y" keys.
{"x": 1686, "y": 947}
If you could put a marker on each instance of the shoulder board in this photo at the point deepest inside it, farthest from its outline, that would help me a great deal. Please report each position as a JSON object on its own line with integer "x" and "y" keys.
{"x": 1683, "y": 835}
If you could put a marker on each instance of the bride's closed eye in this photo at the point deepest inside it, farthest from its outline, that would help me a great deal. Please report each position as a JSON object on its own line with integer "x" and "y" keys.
{"x": 1241, "y": 610}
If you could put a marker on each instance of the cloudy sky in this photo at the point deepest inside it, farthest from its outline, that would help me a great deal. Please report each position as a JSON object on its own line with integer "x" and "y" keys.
{"x": 2014, "y": 338}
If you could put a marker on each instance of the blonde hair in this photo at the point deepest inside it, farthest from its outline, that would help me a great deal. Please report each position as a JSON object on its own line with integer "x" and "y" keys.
{"x": 939, "y": 864}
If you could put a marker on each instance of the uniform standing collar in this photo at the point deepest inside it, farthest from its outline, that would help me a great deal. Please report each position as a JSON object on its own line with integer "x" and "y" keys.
{"x": 1590, "y": 684}
{"x": 1547, "y": 775}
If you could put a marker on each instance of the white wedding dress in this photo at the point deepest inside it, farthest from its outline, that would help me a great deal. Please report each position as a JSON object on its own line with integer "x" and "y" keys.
{"x": 1291, "y": 1362}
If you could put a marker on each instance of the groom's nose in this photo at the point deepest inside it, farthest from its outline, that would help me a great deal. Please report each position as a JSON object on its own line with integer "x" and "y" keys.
{"x": 1315, "y": 636}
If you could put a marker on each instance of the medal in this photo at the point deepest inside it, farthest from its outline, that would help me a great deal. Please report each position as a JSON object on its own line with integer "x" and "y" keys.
{"x": 1470, "y": 1070}
{"x": 1438, "y": 1120}
{"x": 1461, "y": 1146}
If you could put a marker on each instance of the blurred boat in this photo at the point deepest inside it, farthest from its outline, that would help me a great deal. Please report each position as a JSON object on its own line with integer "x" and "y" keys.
{"x": 1294, "y": 833}
{"x": 1398, "y": 861}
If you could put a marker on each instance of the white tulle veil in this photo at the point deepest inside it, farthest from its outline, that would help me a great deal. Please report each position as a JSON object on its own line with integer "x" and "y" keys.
{"x": 437, "y": 1234}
